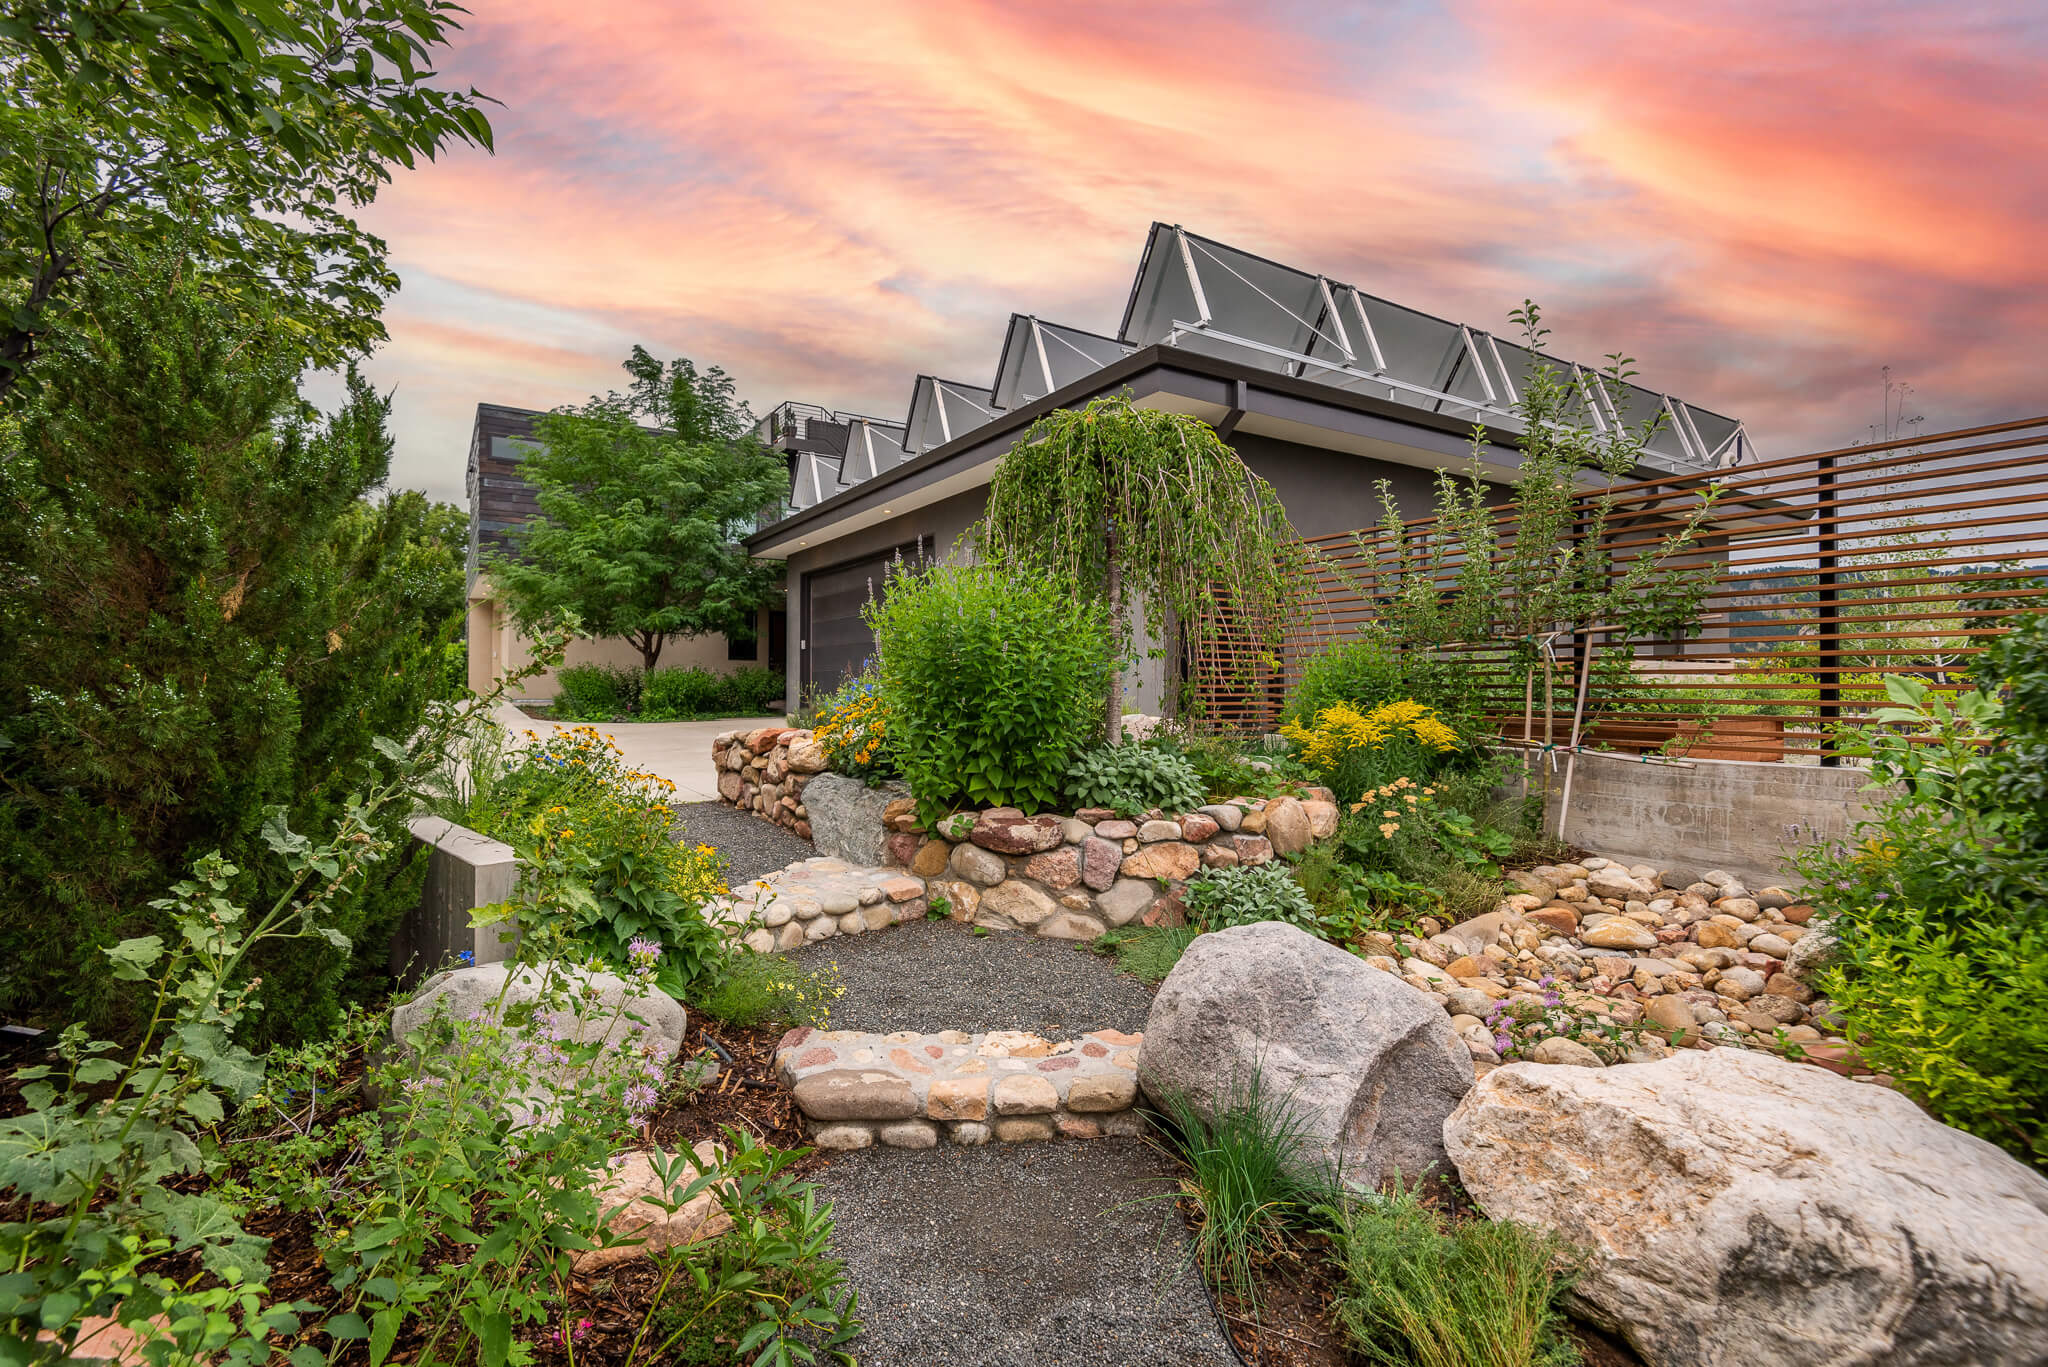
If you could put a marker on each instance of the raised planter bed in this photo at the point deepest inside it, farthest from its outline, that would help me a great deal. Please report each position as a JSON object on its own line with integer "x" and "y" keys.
{"x": 1073, "y": 877}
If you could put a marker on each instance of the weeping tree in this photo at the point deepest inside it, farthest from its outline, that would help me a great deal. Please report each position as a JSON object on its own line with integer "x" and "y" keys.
{"x": 1151, "y": 513}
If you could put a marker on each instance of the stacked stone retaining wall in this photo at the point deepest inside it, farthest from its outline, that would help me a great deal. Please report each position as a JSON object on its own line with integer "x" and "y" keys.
{"x": 1073, "y": 877}
{"x": 764, "y": 771}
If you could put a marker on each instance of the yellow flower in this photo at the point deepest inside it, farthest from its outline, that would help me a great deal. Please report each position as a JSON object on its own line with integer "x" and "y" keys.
{"x": 1387, "y": 828}
{"x": 1389, "y": 813}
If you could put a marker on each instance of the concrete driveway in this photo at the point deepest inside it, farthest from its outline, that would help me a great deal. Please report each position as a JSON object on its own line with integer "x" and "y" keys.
{"x": 679, "y": 751}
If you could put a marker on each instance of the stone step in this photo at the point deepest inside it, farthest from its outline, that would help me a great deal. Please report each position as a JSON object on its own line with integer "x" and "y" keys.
{"x": 816, "y": 899}
{"x": 908, "y": 1090}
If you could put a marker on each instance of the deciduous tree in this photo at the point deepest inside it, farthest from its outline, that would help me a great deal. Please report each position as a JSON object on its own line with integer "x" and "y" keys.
{"x": 643, "y": 499}
{"x": 247, "y": 130}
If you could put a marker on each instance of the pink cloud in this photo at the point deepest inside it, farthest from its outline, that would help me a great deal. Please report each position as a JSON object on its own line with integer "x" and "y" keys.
{"x": 1764, "y": 204}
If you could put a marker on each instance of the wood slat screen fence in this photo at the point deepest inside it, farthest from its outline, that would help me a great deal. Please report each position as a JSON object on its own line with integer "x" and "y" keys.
{"x": 1831, "y": 570}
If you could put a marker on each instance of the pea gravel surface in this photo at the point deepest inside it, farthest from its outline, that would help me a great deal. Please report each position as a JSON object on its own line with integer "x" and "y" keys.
{"x": 1020, "y": 1255}
{"x": 751, "y": 846}
{"x": 933, "y": 975}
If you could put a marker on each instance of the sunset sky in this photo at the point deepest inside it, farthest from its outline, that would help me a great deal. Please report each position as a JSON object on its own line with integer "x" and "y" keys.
{"x": 1765, "y": 203}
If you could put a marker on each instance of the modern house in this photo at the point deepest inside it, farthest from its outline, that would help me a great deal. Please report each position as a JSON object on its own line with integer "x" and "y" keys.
{"x": 1322, "y": 389}
{"x": 499, "y": 500}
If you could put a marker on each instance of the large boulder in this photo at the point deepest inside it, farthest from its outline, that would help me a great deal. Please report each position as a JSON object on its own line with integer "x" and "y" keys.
{"x": 846, "y": 816}
{"x": 1739, "y": 1209}
{"x": 527, "y": 1020}
{"x": 1369, "y": 1065}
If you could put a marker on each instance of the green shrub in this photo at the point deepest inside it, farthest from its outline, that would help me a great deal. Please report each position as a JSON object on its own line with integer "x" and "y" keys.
{"x": 1147, "y": 953}
{"x": 1369, "y": 669}
{"x": 1364, "y": 671}
{"x": 756, "y": 691}
{"x": 1251, "y": 1173}
{"x": 596, "y": 693}
{"x": 600, "y": 833}
{"x": 770, "y": 1284}
{"x": 1421, "y": 1290}
{"x": 992, "y": 682}
{"x": 1226, "y": 771}
{"x": 1217, "y": 899}
{"x": 1130, "y": 779}
{"x": 680, "y": 694}
{"x": 1949, "y": 1004}
{"x": 1960, "y": 777}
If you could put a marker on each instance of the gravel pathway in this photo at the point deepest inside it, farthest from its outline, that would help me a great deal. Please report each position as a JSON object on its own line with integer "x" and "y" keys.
{"x": 750, "y": 845}
{"x": 1019, "y": 1255}
{"x": 1005, "y": 1255}
{"x": 939, "y": 975}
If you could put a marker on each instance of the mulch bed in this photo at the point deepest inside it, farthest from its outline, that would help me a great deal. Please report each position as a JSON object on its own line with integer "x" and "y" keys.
{"x": 744, "y": 1096}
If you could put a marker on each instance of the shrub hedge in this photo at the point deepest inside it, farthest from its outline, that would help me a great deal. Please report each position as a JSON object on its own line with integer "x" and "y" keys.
{"x": 609, "y": 693}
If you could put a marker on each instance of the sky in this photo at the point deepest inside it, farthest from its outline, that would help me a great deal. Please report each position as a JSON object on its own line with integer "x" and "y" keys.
{"x": 1765, "y": 203}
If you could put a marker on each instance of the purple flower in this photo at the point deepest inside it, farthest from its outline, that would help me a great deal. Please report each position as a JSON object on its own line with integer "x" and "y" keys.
{"x": 640, "y": 1099}
{"x": 643, "y": 954}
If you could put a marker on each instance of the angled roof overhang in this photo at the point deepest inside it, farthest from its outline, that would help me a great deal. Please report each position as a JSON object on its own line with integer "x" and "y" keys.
{"x": 1198, "y": 294}
{"x": 941, "y": 410}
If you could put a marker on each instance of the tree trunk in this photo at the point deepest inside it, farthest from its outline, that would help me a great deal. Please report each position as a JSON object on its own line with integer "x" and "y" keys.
{"x": 650, "y": 645}
{"x": 1113, "y": 706}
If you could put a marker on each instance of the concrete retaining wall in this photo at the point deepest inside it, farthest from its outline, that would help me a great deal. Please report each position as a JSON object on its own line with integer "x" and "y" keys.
{"x": 1738, "y": 815}
{"x": 464, "y": 871}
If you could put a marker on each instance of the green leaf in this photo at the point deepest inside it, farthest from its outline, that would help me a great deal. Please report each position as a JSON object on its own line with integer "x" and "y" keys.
{"x": 494, "y": 1335}
{"x": 133, "y": 958}
{"x": 202, "y": 1106}
{"x": 384, "y": 1331}
{"x": 348, "y": 1325}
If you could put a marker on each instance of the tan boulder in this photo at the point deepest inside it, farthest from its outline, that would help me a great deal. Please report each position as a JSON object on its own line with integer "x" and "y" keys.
{"x": 1020, "y": 902}
{"x": 1287, "y": 825}
{"x": 628, "y": 1195}
{"x": 1170, "y": 859}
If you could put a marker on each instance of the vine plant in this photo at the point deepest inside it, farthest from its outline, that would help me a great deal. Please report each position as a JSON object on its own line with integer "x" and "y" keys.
{"x": 1141, "y": 507}
{"x": 1543, "y": 565}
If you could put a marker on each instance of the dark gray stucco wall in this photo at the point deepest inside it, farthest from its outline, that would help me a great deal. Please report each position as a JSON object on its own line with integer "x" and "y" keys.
{"x": 942, "y": 525}
{"x": 1327, "y": 491}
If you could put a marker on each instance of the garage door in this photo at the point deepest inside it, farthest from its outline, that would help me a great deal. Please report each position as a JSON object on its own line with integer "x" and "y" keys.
{"x": 836, "y": 639}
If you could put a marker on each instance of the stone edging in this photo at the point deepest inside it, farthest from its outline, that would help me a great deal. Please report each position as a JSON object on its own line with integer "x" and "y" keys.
{"x": 764, "y": 771}
{"x": 816, "y": 899}
{"x": 1072, "y": 877}
{"x": 908, "y": 1090}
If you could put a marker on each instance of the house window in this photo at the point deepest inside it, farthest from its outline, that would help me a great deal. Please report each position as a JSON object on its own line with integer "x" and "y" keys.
{"x": 742, "y": 647}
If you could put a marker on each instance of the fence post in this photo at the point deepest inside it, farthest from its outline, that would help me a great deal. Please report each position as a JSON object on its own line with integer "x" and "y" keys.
{"x": 1827, "y": 600}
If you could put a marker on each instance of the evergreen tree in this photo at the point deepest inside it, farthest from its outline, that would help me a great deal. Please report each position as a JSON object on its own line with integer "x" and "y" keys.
{"x": 202, "y": 616}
